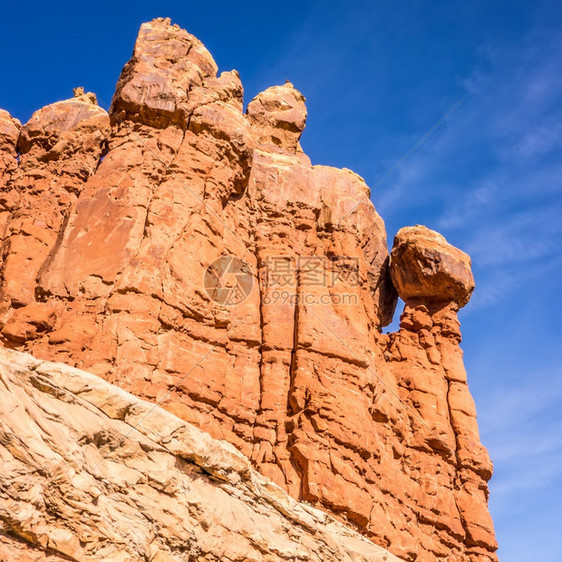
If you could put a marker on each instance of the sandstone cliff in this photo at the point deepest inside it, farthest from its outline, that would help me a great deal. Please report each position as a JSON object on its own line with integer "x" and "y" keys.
{"x": 191, "y": 254}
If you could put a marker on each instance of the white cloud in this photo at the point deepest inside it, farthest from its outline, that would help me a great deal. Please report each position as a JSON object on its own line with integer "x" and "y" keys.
{"x": 524, "y": 440}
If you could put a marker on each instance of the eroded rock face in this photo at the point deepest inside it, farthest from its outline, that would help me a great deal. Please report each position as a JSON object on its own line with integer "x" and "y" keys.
{"x": 278, "y": 117}
{"x": 105, "y": 255}
{"x": 59, "y": 148}
{"x": 9, "y": 133}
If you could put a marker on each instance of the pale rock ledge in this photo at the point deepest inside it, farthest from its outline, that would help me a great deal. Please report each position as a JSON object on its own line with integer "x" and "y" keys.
{"x": 90, "y": 472}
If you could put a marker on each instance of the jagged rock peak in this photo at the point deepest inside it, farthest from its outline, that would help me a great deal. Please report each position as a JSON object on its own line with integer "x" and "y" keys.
{"x": 167, "y": 63}
{"x": 9, "y": 133}
{"x": 81, "y": 95}
{"x": 278, "y": 115}
{"x": 9, "y": 128}
{"x": 56, "y": 125}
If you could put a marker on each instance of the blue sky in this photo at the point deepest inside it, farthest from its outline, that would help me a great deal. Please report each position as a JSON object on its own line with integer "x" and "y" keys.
{"x": 377, "y": 76}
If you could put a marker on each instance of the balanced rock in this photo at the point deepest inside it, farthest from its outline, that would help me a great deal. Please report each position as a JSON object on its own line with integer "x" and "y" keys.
{"x": 425, "y": 266}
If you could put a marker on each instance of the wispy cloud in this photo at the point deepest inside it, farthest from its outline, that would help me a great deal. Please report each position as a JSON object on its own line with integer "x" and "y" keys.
{"x": 491, "y": 180}
{"x": 524, "y": 435}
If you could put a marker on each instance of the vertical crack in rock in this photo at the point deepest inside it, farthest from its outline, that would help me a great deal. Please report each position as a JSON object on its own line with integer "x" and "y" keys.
{"x": 292, "y": 407}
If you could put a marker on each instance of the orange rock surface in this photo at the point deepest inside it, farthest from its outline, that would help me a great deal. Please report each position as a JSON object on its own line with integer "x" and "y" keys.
{"x": 109, "y": 225}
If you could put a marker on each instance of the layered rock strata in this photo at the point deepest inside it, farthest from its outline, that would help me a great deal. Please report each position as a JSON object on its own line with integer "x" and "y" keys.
{"x": 190, "y": 253}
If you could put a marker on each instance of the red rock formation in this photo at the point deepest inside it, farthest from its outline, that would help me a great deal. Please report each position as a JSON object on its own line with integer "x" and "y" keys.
{"x": 435, "y": 280}
{"x": 9, "y": 133}
{"x": 104, "y": 264}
